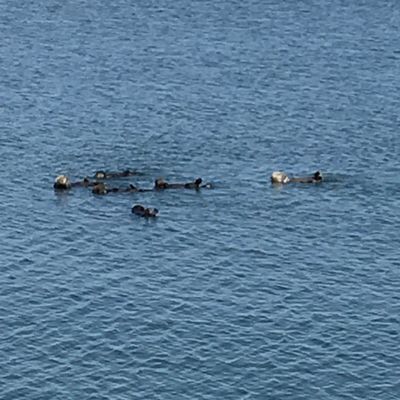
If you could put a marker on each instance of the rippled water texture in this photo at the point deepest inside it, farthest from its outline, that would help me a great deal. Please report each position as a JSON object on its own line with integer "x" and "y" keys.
{"x": 245, "y": 291}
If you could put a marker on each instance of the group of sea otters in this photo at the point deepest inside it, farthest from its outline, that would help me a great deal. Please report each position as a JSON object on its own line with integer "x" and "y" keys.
{"x": 63, "y": 182}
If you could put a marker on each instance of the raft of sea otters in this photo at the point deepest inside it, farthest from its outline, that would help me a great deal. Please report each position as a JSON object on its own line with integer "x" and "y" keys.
{"x": 63, "y": 182}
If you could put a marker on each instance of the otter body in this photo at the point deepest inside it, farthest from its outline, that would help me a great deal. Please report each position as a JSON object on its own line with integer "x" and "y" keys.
{"x": 102, "y": 188}
{"x": 112, "y": 175}
{"x": 281, "y": 178}
{"x": 144, "y": 212}
{"x": 160, "y": 184}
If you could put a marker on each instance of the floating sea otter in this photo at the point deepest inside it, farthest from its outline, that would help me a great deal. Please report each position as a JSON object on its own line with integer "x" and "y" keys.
{"x": 62, "y": 182}
{"x": 160, "y": 184}
{"x": 281, "y": 177}
{"x": 102, "y": 188}
{"x": 111, "y": 175}
{"x": 144, "y": 212}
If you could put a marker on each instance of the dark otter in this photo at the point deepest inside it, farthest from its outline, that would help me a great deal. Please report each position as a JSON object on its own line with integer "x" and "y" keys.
{"x": 102, "y": 188}
{"x": 315, "y": 178}
{"x": 111, "y": 175}
{"x": 132, "y": 188}
{"x": 144, "y": 212}
{"x": 160, "y": 184}
{"x": 281, "y": 177}
{"x": 85, "y": 182}
{"x": 194, "y": 185}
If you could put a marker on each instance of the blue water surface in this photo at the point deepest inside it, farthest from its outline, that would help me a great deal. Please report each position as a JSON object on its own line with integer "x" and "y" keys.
{"x": 244, "y": 291}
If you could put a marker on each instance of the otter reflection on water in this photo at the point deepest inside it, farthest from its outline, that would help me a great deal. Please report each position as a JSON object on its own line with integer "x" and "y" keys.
{"x": 144, "y": 212}
{"x": 281, "y": 178}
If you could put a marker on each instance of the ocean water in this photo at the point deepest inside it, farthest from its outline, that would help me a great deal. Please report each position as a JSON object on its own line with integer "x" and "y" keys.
{"x": 243, "y": 291}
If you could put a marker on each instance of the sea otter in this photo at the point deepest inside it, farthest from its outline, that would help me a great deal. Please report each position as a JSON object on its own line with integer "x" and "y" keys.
{"x": 144, "y": 212}
{"x": 111, "y": 175}
{"x": 62, "y": 182}
{"x": 281, "y": 177}
{"x": 160, "y": 184}
{"x": 102, "y": 188}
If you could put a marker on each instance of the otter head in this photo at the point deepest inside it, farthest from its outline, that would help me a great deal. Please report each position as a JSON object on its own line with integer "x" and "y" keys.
{"x": 62, "y": 182}
{"x": 198, "y": 181}
{"x": 317, "y": 176}
{"x": 99, "y": 188}
{"x": 279, "y": 177}
{"x": 86, "y": 182}
{"x": 100, "y": 175}
{"x": 160, "y": 184}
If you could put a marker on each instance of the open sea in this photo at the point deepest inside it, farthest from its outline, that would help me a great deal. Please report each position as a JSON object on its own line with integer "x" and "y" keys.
{"x": 244, "y": 291}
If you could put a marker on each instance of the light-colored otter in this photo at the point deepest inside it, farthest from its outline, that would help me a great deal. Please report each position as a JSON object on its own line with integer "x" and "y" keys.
{"x": 62, "y": 182}
{"x": 141, "y": 211}
{"x": 281, "y": 178}
{"x": 100, "y": 175}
